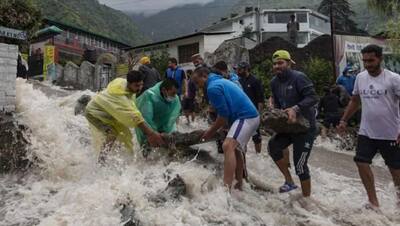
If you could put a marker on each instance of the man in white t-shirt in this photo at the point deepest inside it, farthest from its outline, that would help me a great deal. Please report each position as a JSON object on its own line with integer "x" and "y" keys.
{"x": 378, "y": 91}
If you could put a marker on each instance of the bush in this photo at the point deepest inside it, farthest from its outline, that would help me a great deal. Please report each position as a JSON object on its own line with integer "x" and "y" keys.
{"x": 159, "y": 60}
{"x": 320, "y": 71}
{"x": 263, "y": 72}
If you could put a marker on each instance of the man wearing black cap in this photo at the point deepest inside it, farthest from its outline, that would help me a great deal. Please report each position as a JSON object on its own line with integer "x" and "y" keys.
{"x": 255, "y": 91}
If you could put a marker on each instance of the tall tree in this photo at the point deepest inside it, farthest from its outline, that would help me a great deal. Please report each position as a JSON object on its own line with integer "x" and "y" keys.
{"x": 390, "y": 8}
{"x": 341, "y": 13}
{"x": 20, "y": 14}
{"x": 387, "y": 7}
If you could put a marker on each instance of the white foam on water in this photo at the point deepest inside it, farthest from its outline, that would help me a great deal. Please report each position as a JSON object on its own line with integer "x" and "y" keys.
{"x": 69, "y": 188}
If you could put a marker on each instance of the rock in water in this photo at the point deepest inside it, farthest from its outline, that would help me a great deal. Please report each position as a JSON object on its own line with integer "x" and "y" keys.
{"x": 175, "y": 189}
{"x": 12, "y": 145}
{"x": 81, "y": 104}
{"x": 128, "y": 215}
{"x": 277, "y": 120}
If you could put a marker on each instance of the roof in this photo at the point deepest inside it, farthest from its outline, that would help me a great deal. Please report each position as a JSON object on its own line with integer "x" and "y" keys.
{"x": 64, "y": 26}
{"x": 49, "y": 30}
{"x": 297, "y": 10}
{"x": 221, "y": 22}
{"x": 180, "y": 38}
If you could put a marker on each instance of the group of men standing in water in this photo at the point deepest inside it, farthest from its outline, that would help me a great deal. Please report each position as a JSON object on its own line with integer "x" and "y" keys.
{"x": 237, "y": 100}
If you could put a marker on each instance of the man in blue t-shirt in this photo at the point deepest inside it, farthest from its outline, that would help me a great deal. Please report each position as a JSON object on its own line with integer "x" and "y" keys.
{"x": 177, "y": 73}
{"x": 235, "y": 109}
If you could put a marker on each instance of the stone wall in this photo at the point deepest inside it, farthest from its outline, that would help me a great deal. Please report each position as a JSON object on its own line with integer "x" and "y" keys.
{"x": 8, "y": 74}
{"x": 85, "y": 76}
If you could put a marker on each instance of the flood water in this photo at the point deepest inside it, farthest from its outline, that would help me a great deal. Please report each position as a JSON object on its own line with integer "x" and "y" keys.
{"x": 68, "y": 187}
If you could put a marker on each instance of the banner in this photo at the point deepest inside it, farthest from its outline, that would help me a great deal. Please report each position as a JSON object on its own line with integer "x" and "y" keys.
{"x": 49, "y": 62}
{"x": 12, "y": 33}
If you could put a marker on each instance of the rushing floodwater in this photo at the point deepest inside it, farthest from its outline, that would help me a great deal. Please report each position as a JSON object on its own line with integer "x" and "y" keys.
{"x": 69, "y": 188}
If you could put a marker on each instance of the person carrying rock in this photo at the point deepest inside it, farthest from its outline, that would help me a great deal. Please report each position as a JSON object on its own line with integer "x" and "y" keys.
{"x": 113, "y": 111}
{"x": 160, "y": 107}
{"x": 378, "y": 92}
{"x": 221, "y": 68}
{"x": 234, "y": 108}
{"x": 293, "y": 92}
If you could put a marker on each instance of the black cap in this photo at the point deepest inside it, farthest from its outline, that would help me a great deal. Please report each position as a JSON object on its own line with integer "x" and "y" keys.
{"x": 243, "y": 65}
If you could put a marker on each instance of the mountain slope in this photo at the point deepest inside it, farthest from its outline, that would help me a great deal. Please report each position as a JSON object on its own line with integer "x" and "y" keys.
{"x": 182, "y": 20}
{"x": 92, "y": 16}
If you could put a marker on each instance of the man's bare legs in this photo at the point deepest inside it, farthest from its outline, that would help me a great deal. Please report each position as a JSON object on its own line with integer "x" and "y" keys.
{"x": 231, "y": 162}
{"x": 367, "y": 178}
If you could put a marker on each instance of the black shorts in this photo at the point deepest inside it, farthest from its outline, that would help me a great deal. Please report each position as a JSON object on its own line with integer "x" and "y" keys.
{"x": 331, "y": 120}
{"x": 302, "y": 145}
{"x": 257, "y": 139}
{"x": 367, "y": 149}
{"x": 188, "y": 104}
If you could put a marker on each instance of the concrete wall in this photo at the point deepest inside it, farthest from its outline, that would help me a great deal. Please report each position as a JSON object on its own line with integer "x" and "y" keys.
{"x": 8, "y": 74}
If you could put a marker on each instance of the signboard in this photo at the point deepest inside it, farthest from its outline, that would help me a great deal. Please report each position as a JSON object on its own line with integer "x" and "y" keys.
{"x": 12, "y": 33}
{"x": 353, "y": 56}
{"x": 49, "y": 62}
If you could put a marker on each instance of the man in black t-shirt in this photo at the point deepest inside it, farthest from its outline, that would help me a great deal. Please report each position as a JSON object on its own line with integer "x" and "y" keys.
{"x": 329, "y": 107}
{"x": 255, "y": 91}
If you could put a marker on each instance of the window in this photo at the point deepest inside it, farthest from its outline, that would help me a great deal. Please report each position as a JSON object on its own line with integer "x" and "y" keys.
{"x": 301, "y": 17}
{"x": 185, "y": 52}
{"x": 279, "y": 18}
{"x": 241, "y": 22}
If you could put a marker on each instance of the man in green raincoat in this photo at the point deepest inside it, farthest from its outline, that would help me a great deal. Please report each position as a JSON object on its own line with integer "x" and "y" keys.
{"x": 160, "y": 107}
{"x": 113, "y": 111}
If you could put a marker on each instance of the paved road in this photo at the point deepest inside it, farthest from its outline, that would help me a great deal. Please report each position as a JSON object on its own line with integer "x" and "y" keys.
{"x": 343, "y": 164}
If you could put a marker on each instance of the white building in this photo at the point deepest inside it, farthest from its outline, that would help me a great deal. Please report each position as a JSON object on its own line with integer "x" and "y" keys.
{"x": 250, "y": 28}
{"x": 273, "y": 22}
{"x": 182, "y": 48}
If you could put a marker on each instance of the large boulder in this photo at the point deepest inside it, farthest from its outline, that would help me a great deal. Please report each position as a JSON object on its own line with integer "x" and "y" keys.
{"x": 277, "y": 120}
{"x": 230, "y": 52}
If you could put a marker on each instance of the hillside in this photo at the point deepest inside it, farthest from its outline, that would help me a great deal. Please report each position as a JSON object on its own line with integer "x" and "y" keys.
{"x": 185, "y": 19}
{"x": 182, "y": 20}
{"x": 94, "y": 17}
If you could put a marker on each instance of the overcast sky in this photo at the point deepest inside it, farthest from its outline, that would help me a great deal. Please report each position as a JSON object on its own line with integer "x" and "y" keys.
{"x": 148, "y": 6}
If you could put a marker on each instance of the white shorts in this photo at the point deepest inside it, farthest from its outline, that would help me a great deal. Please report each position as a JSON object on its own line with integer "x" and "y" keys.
{"x": 243, "y": 129}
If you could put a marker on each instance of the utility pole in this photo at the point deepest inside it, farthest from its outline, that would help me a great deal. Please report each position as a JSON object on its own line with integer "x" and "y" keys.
{"x": 332, "y": 19}
{"x": 258, "y": 22}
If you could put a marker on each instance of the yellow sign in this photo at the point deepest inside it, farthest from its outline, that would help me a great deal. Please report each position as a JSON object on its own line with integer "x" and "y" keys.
{"x": 49, "y": 61}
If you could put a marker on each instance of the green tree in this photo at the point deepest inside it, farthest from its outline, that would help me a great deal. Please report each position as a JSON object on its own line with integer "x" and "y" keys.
{"x": 264, "y": 72}
{"x": 390, "y": 8}
{"x": 159, "y": 60}
{"x": 386, "y": 7}
{"x": 20, "y": 14}
{"x": 320, "y": 72}
{"x": 342, "y": 14}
